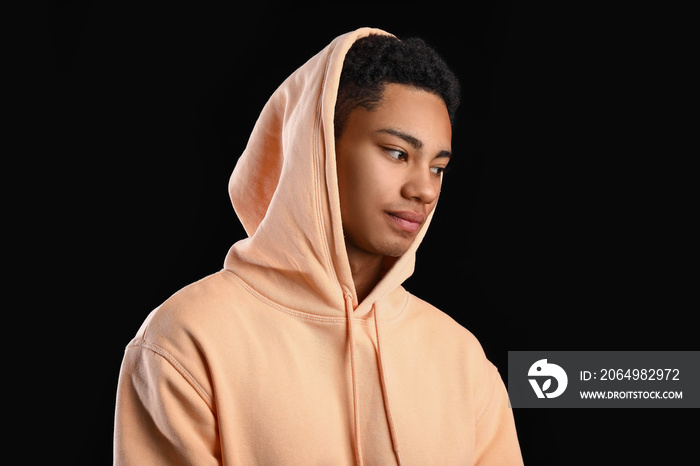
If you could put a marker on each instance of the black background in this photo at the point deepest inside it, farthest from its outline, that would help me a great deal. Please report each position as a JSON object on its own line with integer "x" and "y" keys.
{"x": 565, "y": 223}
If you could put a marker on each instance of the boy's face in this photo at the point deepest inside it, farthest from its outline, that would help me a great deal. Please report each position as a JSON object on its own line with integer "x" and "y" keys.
{"x": 390, "y": 163}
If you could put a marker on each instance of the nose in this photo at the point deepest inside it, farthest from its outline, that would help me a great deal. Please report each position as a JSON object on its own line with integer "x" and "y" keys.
{"x": 421, "y": 185}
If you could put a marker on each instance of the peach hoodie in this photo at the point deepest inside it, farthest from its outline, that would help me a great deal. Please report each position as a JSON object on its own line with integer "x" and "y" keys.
{"x": 272, "y": 361}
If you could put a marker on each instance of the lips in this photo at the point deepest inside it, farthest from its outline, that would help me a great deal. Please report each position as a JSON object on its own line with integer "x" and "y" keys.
{"x": 408, "y": 221}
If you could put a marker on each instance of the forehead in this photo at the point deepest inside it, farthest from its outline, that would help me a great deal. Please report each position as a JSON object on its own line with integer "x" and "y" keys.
{"x": 410, "y": 110}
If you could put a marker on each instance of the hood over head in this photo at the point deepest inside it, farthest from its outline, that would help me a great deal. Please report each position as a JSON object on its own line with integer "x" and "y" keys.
{"x": 284, "y": 190}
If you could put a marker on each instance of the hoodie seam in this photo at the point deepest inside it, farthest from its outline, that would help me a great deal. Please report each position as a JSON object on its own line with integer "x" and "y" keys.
{"x": 278, "y": 307}
{"x": 488, "y": 403}
{"x": 401, "y": 313}
{"x": 305, "y": 315}
{"x": 189, "y": 378}
{"x": 317, "y": 142}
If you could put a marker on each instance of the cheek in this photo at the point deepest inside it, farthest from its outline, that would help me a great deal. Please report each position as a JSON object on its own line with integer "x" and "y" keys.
{"x": 347, "y": 180}
{"x": 373, "y": 187}
{"x": 357, "y": 176}
{"x": 357, "y": 191}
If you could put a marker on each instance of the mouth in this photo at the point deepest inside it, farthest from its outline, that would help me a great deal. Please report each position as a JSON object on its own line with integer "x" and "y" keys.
{"x": 407, "y": 221}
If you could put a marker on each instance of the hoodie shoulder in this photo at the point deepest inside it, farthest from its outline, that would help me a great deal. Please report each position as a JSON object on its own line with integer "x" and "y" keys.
{"x": 188, "y": 325}
{"x": 451, "y": 346}
{"x": 188, "y": 328}
{"x": 456, "y": 350}
{"x": 189, "y": 308}
{"x": 442, "y": 325}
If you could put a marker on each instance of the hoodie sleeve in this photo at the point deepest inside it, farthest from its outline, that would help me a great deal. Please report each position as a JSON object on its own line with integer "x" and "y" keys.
{"x": 496, "y": 438}
{"x": 162, "y": 417}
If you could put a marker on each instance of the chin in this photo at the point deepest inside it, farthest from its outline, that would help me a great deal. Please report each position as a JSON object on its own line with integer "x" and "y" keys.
{"x": 395, "y": 249}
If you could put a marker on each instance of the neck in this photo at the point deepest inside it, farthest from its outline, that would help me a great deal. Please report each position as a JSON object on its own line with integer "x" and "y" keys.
{"x": 367, "y": 269}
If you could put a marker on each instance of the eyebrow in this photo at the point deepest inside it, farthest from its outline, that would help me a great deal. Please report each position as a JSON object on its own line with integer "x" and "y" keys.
{"x": 412, "y": 140}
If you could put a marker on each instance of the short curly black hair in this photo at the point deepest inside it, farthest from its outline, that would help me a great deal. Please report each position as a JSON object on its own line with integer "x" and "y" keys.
{"x": 377, "y": 60}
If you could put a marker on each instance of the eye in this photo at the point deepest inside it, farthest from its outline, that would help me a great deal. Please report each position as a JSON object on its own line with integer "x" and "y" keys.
{"x": 395, "y": 153}
{"x": 439, "y": 170}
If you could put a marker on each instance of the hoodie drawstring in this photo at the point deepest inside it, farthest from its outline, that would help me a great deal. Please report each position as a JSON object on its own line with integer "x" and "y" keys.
{"x": 355, "y": 391}
{"x": 385, "y": 391}
{"x": 355, "y": 395}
